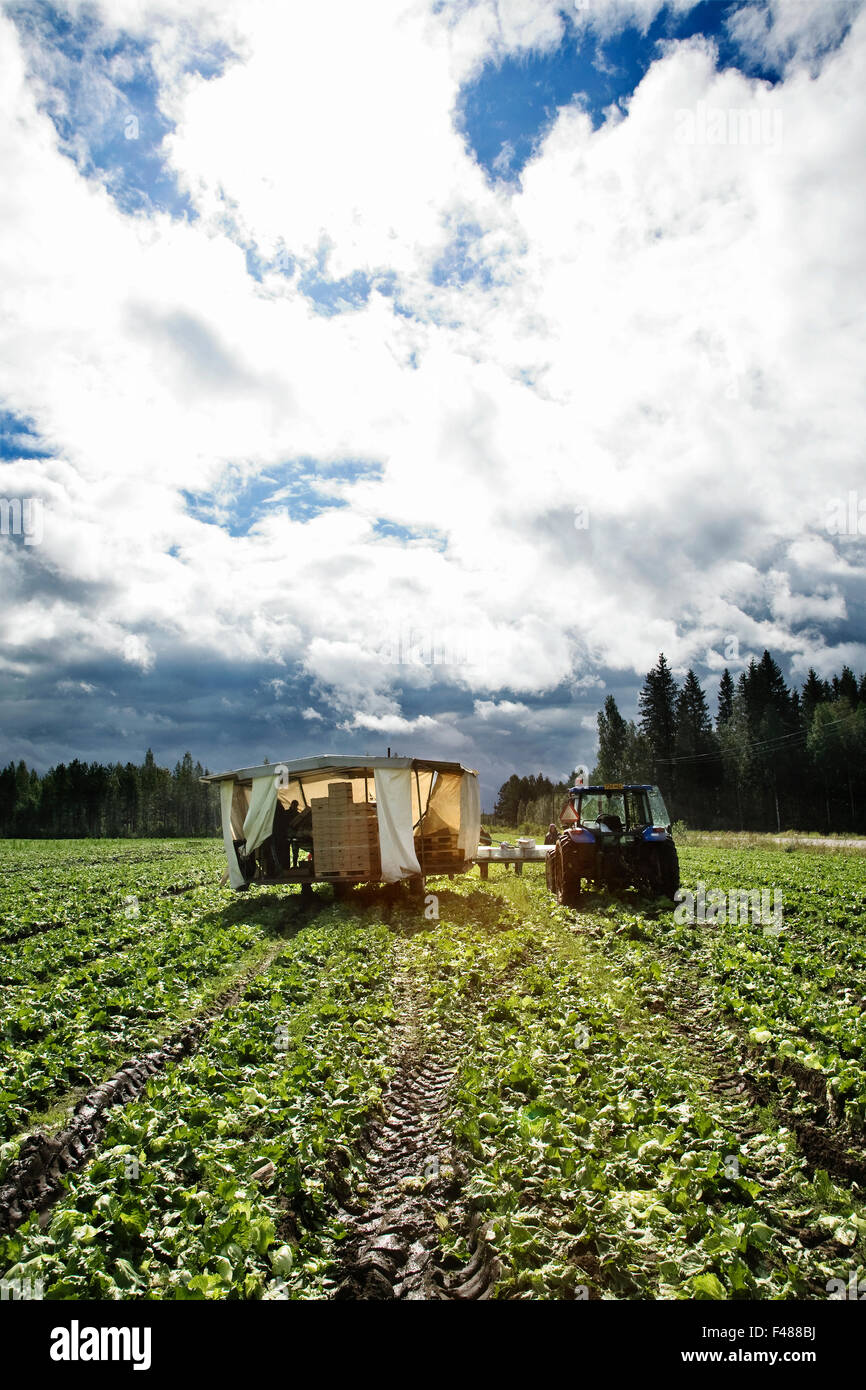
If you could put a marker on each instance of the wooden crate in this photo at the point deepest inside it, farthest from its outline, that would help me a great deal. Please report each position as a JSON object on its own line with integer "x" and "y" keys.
{"x": 345, "y": 835}
{"x": 438, "y": 852}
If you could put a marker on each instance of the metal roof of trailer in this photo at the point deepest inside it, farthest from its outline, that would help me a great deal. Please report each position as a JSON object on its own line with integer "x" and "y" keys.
{"x": 350, "y": 763}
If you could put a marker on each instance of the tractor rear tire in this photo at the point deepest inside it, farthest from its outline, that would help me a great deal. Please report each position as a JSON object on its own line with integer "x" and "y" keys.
{"x": 668, "y": 870}
{"x": 566, "y": 882}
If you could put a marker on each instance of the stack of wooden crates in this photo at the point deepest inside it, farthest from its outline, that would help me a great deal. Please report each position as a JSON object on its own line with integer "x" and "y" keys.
{"x": 437, "y": 851}
{"x": 345, "y": 835}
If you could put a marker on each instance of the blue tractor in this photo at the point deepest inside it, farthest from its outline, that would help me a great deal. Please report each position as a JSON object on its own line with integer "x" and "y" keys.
{"x": 619, "y": 837}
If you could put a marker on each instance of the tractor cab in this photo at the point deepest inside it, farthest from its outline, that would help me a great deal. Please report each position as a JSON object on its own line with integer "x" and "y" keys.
{"x": 618, "y": 836}
{"x": 633, "y": 810}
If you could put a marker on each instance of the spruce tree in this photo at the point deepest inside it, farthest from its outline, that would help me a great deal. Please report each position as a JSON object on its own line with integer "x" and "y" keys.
{"x": 815, "y": 692}
{"x": 612, "y": 740}
{"x": 726, "y": 699}
{"x": 696, "y": 747}
{"x": 845, "y": 687}
{"x": 657, "y": 704}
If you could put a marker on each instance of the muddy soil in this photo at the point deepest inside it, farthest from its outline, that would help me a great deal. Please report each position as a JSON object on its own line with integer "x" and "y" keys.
{"x": 413, "y": 1189}
{"x": 824, "y": 1140}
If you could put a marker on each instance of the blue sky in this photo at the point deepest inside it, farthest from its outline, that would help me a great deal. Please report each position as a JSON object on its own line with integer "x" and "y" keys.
{"x": 19, "y": 439}
{"x": 326, "y": 329}
{"x": 512, "y": 102}
{"x": 105, "y": 104}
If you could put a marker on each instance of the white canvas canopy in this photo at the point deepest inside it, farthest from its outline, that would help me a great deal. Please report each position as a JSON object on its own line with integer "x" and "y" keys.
{"x": 402, "y": 789}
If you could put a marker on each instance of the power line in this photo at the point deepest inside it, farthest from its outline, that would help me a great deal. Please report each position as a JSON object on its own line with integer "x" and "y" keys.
{"x": 775, "y": 743}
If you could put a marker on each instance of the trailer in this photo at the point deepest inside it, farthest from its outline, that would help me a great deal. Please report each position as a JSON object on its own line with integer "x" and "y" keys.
{"x": 347, "y": 820}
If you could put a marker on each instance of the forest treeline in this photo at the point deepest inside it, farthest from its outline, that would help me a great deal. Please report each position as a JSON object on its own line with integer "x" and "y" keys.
{"x": 114, "y": 800}
{"x": 771, "y": 758}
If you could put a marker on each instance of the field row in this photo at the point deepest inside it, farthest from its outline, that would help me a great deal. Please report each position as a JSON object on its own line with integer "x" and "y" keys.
{"x": 73, "y": 1007}
{"x": 606, "y": 1162}
{"x": 798, "y": 995}
{"x": 70, "y": 883}
{"x": 597, "y": 1118}
{"x": 171, "y": 1207}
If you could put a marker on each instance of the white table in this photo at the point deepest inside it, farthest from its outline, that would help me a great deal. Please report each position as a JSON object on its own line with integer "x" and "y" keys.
{"x": 517, "y": 855}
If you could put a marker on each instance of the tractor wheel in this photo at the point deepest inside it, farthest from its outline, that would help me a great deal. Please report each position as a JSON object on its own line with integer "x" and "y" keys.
{"x": 549, "y": 870}
{"x": 667, "y": 870}
{"x": 566, "y": 882}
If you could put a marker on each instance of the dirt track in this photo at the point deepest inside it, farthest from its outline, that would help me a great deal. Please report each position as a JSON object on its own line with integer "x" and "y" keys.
{"x": 413, "y": 1191}
{"x": 824, "y": 1140}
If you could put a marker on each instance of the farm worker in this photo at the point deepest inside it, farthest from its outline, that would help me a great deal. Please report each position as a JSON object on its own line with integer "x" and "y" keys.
{"x": 552, "y": 834}
{"x": 292, "y": 822}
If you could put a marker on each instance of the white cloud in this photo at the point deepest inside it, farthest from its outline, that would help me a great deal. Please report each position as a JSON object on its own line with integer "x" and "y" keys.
{"x": 490, "y": 709}
{"x": 390, "y": 723}
{"x": 790, "y": 31}
{"x": 137, "y": 651}
{"x": 687, "y": 318}
{"x": 66, "y": 687}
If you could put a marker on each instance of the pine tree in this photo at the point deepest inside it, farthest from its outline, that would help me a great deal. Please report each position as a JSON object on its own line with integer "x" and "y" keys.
{"x": 815, "y": 692}
{"x": 737, "y": 762}
{"x": 845, "y": 687}
{"x": 612, "y": 740}
{"x": 764, "y": 688}
{"x": 726, "y": 699}
{"x": 693, "y": 725}
{"x": 696, "y": 747}
{"x": 658, "y": 720}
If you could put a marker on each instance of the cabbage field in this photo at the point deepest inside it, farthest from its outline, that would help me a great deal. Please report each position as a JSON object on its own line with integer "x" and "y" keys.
{"x": 478, "y": 1095}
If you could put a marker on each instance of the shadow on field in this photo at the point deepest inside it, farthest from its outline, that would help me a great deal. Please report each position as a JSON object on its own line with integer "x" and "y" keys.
{"x": 277, "y": 916}
{"x": 407, "y": 913}
{"x": 629, "y": 900}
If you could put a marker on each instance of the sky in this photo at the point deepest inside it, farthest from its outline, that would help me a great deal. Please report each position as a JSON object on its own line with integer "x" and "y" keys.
{"x": 410, "y": 375}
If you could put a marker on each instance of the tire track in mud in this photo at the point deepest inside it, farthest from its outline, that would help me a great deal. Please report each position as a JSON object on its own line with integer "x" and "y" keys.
{"x": 822, "y": 1141}
{"x": 739, "y": 1094}
{"x": 413, "y": 1189}
{"x": 35, "y": 1178}
{"x": 30, "y": 929}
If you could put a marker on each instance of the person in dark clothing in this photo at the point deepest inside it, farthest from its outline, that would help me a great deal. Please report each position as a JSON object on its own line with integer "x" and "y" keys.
{"x": 302, "y": 833}
{"x": 280, "y": 835}
{"x": 294, "y": 817}
{"x": 552, "y": 834}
